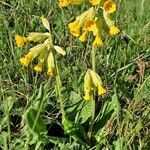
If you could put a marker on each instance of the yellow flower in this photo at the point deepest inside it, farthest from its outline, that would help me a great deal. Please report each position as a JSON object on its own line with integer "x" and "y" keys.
{"x": 44, "y": 51}
{"x": 20, "y": 40}
{"x": 83, "y": 37}
{"x": 50, "y": 71}
{"x": 90, "y": 25}
{"x": 75, "y": 28}
{"x": 113, "y": 30}
{"x": 64, "y": 3}
{"x": 92, "y": 81}
{"x": 101, "y": 90}
{"x": 109, "y": 6}
{"x": 50, "y": 64}
{"x": 95, "y": 2}
{"x": 98, "y": 41}
{"x": 38, "y": 67}
{"x": 26, "y": 59}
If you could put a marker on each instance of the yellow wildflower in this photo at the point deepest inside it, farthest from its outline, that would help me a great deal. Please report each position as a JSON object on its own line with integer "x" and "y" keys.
{"x": 95, "y": 2}
{"x": 26, "y": 59}
{"x": 83, "y": 37}
{"x": 101, "y": 90}
{"x": 50, "y": 71}
{"x": 87, "y": 86}
{"x": 20, "y": 40}
{"x": 64, "y": 3}
{"x": 92, "y": 81}
{"x": 44, "y": 50}
{"x": 50, "y": 64}
{"x": 90, "y": 25}
{"x": 38, "y": 67}
{"x": 109, "y": 6}
{"x": 87, "y": 96}
{"x": 75, "y": 28}
{"x": 113, "y": 30}
{"x": 98, "y": 41}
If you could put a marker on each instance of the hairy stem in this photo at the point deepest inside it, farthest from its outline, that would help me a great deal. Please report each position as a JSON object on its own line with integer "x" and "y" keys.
{"x": 93, "y": 97}
{"x": 58, "y": 87}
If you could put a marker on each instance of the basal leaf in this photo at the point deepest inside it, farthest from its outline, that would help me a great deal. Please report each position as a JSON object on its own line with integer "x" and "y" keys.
{"x": 35, "y": 122}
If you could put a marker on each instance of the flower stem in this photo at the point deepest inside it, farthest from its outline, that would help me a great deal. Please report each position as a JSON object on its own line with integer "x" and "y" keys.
{"x": 93, "y": 96}
{"x": 58, "y": 87}
{"x": 93, "y": 58}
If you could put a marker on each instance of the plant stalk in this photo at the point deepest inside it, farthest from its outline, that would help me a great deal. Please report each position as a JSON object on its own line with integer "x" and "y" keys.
{"x": 93, "y": 60}
{"x": 58, "y": 87}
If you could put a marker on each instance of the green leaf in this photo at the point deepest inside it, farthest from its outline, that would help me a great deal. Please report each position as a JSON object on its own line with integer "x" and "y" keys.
{"x": 79, "y": 110}
{"x": 8, "y": 103}
{"x": 76, "y": 131}
{"x": 118, "y": 144}
{"x": 35, "y": 122}
{"x": 109, "y": 109}
{"x": 86, "y": 111}
{"x": 57, "y": 140}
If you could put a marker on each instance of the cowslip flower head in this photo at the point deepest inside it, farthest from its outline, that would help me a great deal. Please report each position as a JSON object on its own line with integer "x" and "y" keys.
{"x": 83, "y": 36}
{"x": 95, "y": 2}
{"x": 109, "y": 6}
{"x": 92, "y": 81}
{"x": 97, "y": 82}
{"x": 20, "y": 40}
{"x": 44, "y": 51}
{"x": 76, "y": 26}
{"x": 113, "y": 30}
{"x": 90, "y": 25}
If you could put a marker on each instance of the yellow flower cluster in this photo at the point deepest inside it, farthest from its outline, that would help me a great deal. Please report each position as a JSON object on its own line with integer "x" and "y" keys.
{"x": 92, "y": 81}
{"x": 44, "y": 50}
{"x": 89, "y": 21}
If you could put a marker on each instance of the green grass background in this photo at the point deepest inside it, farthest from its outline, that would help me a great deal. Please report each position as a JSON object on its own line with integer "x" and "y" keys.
{"x": 123, "y": 64}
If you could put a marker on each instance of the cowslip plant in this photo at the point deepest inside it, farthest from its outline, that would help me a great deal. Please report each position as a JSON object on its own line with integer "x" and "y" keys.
{"x": 46, "y": 52}
{"x": 94, "y": 20}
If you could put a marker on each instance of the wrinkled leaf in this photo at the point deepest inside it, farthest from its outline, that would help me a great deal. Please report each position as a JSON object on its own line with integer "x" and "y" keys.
{"x": 86, "y": 111}
{"x": 76, "y": 131}
{"x": 36, "y": 124}
{"x": 109, "y": 110}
